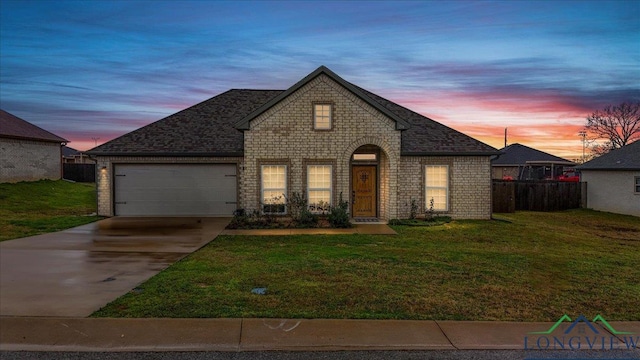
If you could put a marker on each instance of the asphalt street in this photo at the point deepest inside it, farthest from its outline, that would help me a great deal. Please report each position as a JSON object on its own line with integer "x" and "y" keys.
{"x": 326, "y": 355}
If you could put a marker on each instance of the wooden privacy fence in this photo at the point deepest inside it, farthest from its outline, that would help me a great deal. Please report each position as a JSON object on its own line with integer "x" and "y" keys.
{"x": 79, "y": 172}
{"x": 509, "y": 196}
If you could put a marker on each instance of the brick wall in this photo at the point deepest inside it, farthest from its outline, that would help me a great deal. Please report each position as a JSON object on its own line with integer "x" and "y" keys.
{"x": 284, "y": 135}
{"x": 104, "y": 177}
{"x": 285, "y": 132}
{"x": 26, "y": 160}
{"x": 469, "y": 185}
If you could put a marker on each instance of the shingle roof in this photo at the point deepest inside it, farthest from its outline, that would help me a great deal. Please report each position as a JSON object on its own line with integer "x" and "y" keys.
{"x": 12, "y": 126}
{"x": 69, "y": 151}
{"x": 518, "y": 154}
{"x": 204, "y": 129}
{"x": 428, "y": 137}
{"x": 213, "y": 127}
{"x": 624, "y": 158}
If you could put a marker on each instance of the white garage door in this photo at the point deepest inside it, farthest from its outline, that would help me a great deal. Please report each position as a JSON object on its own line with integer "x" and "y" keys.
{"x": 175, "y": 189}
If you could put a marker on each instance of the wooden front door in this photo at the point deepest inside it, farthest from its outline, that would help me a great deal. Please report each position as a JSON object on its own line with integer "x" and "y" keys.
{"x": 364, "y": 191}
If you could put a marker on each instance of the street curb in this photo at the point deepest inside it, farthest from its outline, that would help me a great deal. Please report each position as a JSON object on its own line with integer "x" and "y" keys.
{"x": 233, "y": 335}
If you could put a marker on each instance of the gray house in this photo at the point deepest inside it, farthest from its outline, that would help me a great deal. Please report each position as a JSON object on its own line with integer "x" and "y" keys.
{"x": 27, "y": 152}
{"x": 323, "y": 137}
{"x": 613, "y": 180}
{"x": 521, "y": 162}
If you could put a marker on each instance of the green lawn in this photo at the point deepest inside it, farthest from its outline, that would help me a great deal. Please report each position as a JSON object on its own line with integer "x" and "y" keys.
{"x": 522, "y": 267}
{"x": 31, "y": 208}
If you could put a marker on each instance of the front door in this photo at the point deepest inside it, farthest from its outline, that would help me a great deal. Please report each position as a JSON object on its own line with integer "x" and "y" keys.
{"x": 364, "y": 191}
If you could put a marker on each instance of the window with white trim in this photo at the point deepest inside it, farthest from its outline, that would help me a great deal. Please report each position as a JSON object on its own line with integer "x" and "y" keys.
{"x": 637, "y": 184}
{"x": 274, "y": 189}
{"x": 322, "y": 116}
{"x": 436, "y": 180}
{"x": 319, "y": 189}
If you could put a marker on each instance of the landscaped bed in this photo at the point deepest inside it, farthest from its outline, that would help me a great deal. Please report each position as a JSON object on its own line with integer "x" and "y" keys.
{"x": 525, "y": 266}
{"x": 31, "y": 208}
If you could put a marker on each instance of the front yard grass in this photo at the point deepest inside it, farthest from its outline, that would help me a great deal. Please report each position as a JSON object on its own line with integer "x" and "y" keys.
{"x": 527, "y": 266}
{"x": 32, "y": 208}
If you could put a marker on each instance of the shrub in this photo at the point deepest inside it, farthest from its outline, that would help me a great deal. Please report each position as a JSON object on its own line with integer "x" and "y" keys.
{"x": 299, "y": 211}
{"x": 339, "y": 215}
{"x": 414, "y": 209}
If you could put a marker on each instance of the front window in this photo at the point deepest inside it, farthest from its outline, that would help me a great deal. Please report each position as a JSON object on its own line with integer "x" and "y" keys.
{"x": 437, "y": 187}
{"x": 638, "y": 184}
{"x": 322, "y": 117}
{"x": 274, "y": 188}
{"x": 319, "y": 187}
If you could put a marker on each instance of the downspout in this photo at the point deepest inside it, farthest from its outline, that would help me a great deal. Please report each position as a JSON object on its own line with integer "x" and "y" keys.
{"x": 61, "y": 161}
{"x": 95, "y": 183}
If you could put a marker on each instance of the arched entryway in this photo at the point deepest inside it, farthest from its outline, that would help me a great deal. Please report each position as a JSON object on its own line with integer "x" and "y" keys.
{"x": 369, "y": 183}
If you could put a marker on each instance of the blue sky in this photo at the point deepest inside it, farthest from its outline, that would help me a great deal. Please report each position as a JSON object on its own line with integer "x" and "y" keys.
{"x": 85, "y": 69}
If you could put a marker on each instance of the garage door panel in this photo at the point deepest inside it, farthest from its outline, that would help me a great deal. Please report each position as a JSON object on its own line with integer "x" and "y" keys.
{"x": 175, "y": 190}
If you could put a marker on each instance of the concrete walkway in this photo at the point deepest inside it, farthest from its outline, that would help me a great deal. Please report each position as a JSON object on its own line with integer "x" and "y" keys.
{"x": 75, "y": 334}
{"x": 369, "y": 229}
{"x": 77, "y": 271}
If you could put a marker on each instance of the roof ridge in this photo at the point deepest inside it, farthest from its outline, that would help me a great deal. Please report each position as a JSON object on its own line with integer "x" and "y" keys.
{"x": 24, "y": 129}
{"x": 243, "y": 124}
{"x": 369, "y": 93}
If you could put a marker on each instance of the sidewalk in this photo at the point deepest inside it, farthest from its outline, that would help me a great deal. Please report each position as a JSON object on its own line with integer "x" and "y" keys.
{"x": 369, "y": 229}
{"x": 84, "y": 334}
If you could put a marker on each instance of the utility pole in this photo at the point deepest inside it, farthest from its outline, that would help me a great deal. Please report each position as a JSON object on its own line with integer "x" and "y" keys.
{"x": 583, "y": 135}
{"x": 505, "y": 137}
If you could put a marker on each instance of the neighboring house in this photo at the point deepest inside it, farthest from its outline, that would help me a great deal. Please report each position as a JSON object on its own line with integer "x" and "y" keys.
{"x": 73, "y": 156}
{"x": 323, "y": 138}
{"x": 27, "y": 152}
{"x": 520, "y": 162}
{"x": 613, "y": 180}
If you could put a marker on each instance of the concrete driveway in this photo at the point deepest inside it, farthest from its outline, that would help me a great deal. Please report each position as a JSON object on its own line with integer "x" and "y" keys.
{"x": 77, "y": 271}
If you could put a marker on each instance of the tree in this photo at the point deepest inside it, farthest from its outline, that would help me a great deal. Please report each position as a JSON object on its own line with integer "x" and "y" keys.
{"x": 619, "y": 125}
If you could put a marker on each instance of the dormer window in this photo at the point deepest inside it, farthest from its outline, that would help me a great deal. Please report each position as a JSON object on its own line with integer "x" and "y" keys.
{"x": 322, "y": 116}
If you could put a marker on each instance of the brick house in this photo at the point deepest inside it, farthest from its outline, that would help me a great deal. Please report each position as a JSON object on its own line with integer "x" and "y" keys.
{"x": 323, "y": 137}
{"x": 28, "y": 152}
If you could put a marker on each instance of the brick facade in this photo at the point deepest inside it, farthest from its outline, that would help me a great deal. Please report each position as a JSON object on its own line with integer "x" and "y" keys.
{"x": 286, "y": 132}
{"x": 469, "y": 185}
{"x": 28, "y": 160}
{"x": 284, "y": 135}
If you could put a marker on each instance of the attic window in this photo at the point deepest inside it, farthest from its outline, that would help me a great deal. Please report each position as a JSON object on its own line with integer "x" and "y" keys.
{"x": 322, "y": 116}
{"x": 364, "y": 157}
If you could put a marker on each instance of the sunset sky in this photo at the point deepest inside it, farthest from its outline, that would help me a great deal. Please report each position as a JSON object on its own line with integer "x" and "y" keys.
{"x": 99, "y": 69}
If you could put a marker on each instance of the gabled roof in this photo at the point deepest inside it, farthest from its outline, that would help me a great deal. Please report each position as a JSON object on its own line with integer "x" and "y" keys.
{"x": 12, "y": 126}
{"x": 204, "y": 129}
{"x": 69, "y": 151}
{"x": 210, "y": 128}
{"x": 243, "y": 124}
{"x": 518, "y": 154}
{"x": 624, "y": 158}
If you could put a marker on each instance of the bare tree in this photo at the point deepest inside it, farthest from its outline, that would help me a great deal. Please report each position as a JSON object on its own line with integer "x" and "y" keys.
{"x": 619, "y": 125}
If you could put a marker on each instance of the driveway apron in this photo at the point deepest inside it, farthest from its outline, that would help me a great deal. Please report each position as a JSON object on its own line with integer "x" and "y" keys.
{"x": 75, "y": 272}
